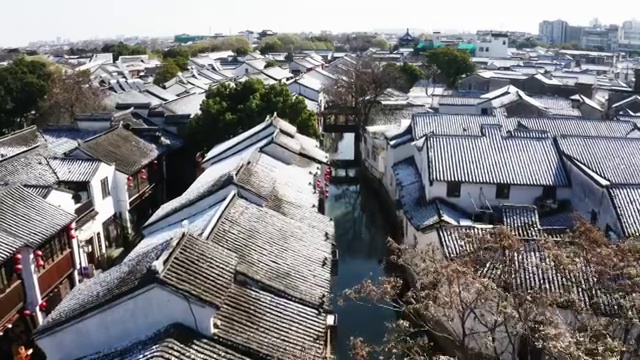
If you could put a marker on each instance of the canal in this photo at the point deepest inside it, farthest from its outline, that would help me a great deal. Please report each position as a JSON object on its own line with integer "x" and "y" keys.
{"x": 361, "y": 231}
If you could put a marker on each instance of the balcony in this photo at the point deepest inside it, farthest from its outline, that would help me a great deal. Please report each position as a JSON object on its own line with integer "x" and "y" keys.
{"x": 11, "y": 299}
{"x": 84, "y": 208}
{"x": 56, "y": 272}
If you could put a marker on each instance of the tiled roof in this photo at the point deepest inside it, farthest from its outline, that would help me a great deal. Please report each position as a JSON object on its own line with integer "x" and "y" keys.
{"x": 19, "y": 141}
{"x": 421, "y": 214}
{"x": 74, "y": 170}
{"x": 563, "y": 219}
{"x": 303, "y": 147}
{"x": 580, "y": 127}
{"x": 270, "y": 326}
{"x": 277, "y": 73}
{"x": 283, "y": 254}
{"x": 26, "y": 219}
{"x": 287, "y": 189}
{"x": 208, "y": 183}
{"x": 42, "y": 191}
{"x": 459, "y": 101}
{"x": 615, "y": 159}
{"x": 494, "y": 159}
{"x": 29, "y": 168}
{"x": 557, "y": 105}
{"x": 175, "y": 342}
{"x": 626, "y": 202}
{"x": 132, "y": 274}
{"x": 522, "y": 220}
{"x": 450, "y": 124}
{"x": 122, "y": 148}
{"x": 189, "y": 104}
{"x": 201, "y": 269}
{"x": 61, "y": 139}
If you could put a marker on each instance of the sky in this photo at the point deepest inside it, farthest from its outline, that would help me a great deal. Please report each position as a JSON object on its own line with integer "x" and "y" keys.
{"x": 23, "y": 21}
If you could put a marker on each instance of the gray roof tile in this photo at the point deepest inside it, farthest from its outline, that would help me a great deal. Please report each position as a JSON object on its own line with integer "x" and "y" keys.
{"x": 283, "y": 254}
{"x": 580, "y": 127}
{"x": 121, "y": 147}
{"x": 201, "y": 269}
{"x": 271, "y": 327}
{"x": 626, "y": 202}
{"x": 19, "y": 141}
{"x": 175, "y": 342}
{"x": 495, "y": 159}
{"x": 449, "y": 124}
{"x": 26, "y": 219}
{"x": 74, "y": 170}
{"x": 615, "y": 159}
{"x": 61, "y": 139}
{"x": 420, "y": 213}
{"x": 28, "y": 168}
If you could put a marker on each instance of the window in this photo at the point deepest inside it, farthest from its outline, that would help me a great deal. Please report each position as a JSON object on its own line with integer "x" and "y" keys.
{"x": 484, "y": 111}
{"x": 480, "y": 49}
{"x": 504, "y": 42}
{"x": 104, "y": 185}
{"x": 487, "y": 49}
{"x": 55, "y": 248}
{"x": 7, "y": 273}
{"x": 453, "y": 189}
{"x": 594, "y": 217}
{"x": 549, "y": 192}
{"x": 502, "y": 191}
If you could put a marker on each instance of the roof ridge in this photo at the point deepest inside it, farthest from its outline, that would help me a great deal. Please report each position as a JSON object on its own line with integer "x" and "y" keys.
{"x": 17, "y": 132}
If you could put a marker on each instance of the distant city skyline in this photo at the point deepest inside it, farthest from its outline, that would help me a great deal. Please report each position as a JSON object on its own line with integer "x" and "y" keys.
{"x": 22, "y": 22}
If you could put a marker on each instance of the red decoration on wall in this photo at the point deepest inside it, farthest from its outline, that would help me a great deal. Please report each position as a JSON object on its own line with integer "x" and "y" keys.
{"x": 37, "y": 253}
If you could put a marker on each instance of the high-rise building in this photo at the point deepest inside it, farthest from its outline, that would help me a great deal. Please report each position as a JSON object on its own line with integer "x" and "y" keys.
{"x": 553, "y": 32}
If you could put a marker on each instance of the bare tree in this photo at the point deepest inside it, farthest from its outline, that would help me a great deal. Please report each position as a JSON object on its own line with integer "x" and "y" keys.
{"x": 71, "y": 94}
{"x": 358, "y": 87}
{"x": 499, "y": 296}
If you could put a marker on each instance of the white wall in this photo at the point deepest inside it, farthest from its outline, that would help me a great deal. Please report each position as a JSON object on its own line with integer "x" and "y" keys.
{"x": 467, "y": 109}
{"x": 253, "y": 139}
{"x": 120, "y": 195}
{"x": 517, "y": 194}
{"x": 94, "y": 125}
{"x": 62, "y": 199}
{"x": 194, "y": 209}
{"x": 296, "y": 88}
{"x": 322, "y": 78}
{"x": 142, "y": 313}
{"x": 498, "y": 47}
{"x": 587, "y": 196}
{"x": 244, "y": 69}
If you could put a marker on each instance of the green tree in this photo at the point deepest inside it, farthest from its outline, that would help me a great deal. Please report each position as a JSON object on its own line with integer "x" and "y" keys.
{"x": 68, "y": 95}
{"x": 452, "y": 64}
{"x": 23, "y": 87}
{"x": 270, "y": 63}
{"x": 380, "y": 43}
{"x": 405, "y": 76}
{"x": 411, "y": 73}
{"x": 168, "y": 70}
{"x": 230, "y": 109}
{"x": 122, "y": 49}
{"x": 179, "y": 55}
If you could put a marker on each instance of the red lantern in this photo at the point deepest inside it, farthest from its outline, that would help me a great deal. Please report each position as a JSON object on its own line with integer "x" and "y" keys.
{"x": 26, "y": 313}
{"x": 72, "y": 234}
{"x": 43, "y": 305}
{"x": 39, "y": 263}
{"x": 326, "y": 193}
{"x": 318, "y": 183}
{"x": 17, "y": 268}
{"x": 17, "y": 258}
{"x": 37, "y": 253}
{"x": 155, "y": 164}
{"x": 72, "y": 226}
{"x": 327, "y": 170}
{"x": 130, "y": 186}
{"x": 143, "y": 177}
{"x": 129, "y": 179}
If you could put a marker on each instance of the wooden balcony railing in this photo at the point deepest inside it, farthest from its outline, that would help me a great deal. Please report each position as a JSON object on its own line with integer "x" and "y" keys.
{"x": 84, "y": 208}
{"x": 54, "y": 273}
{"x": 11, "y": 300}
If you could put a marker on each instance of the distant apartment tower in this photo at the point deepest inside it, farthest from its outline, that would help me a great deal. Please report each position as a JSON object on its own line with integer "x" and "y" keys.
{"x": 600, "y": 37}
{"x": 629, "y": 35}
{"x": 553, "y": 32}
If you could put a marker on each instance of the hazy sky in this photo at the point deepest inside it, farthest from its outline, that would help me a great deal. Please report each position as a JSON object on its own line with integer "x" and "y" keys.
{"x": 22, "y": 21}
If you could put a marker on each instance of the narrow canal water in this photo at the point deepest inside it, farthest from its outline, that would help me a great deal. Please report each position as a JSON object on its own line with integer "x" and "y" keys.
{"x": 361, "y": 231}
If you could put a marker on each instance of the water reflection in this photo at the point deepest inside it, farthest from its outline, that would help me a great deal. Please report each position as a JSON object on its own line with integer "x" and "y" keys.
{"x": 361, "y": 232}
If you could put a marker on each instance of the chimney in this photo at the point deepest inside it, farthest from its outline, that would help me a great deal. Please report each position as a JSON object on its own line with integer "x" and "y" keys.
{"x": 636, "y": 86}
